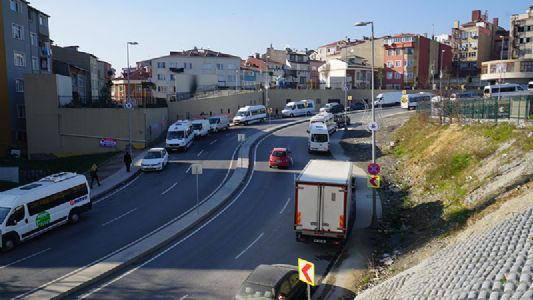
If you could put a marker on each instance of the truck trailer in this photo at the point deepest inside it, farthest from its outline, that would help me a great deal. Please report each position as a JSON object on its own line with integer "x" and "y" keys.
{"x": 323, "y": 201}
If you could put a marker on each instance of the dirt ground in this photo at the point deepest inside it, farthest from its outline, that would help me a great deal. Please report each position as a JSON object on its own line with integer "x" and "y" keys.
{"x": 408, "y": 234}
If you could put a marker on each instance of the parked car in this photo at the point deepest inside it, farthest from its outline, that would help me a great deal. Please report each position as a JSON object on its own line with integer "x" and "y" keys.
{"x": 342, "y": 120}
{"x": 279, "y": 157}
{"x": 220, "y": 122}
{"x": 334, "y": 108}
{"x": 269, "y": 281}
{"x": 155, "y": 159}
{"x": 357, "y": 106}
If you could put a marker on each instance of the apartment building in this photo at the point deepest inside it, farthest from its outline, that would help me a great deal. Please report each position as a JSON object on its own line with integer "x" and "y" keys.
{"x": 473, "y": 43}
{"x": 412, "y": 60}
{"x": 141, "y": 89}
{"x": 212, "y": 70}
{"x": 355, "y": 72}
{"x": 24, "y": 49}
{"x": 521, "y": 35}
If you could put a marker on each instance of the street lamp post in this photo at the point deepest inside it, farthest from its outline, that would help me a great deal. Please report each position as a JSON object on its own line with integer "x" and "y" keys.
{"x": 501, "y": 66}
{"x": 441, "y": 76}
{"x": 374, "y": 213}
{"x": 129, "y": 106}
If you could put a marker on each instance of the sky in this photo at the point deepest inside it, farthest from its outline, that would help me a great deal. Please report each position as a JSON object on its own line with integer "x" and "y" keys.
{"x": 244, "y": 27}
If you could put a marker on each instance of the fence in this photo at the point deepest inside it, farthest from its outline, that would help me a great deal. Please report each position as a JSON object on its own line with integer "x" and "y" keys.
{"x": 515, "y": 108}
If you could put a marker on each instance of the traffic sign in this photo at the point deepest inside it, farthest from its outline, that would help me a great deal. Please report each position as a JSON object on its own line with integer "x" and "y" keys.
{"x": 196, "y": 169}
{"x": 349, "y": 98}
{"x": 241, "y": 137}
{"x": 373, "y": 126}
{"x": 374, "y": 169}
{"x": 306, "y": 271}
{"x": 374, "y": 181}
{"x": 128, "y": 105}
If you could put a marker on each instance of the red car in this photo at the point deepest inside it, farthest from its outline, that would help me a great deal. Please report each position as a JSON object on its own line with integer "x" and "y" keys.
{"x": 279, "y": 157}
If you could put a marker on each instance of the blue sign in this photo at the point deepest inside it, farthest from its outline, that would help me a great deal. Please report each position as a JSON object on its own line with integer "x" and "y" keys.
{"x": 108, "y": 143}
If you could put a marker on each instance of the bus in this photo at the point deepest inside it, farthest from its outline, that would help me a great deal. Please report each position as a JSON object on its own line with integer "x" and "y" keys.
{"x": 250, "y": 114}
{"x": 504, "y": 90}
{"x": 37, "y": 207}
{"x": 410, "y": 101}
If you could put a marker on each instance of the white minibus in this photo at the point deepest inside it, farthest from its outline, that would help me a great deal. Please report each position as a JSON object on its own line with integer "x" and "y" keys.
{"x": 250, "y": 114}
{"x": 504, "y": 90}
{"x": 299, "y": 108}
{"x": 318, "y": 139}
{"x": 180, "y": 135}
{"x": 325, "y": 118}
{"x": 410, "y": 101}
{"x": 37, "y": 207}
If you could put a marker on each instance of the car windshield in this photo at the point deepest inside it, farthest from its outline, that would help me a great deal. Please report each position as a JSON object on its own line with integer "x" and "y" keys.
{"x": 289, "y": 107}
{"x": 4, "y": 211}
{"x": 242, "y": 113}
{"x": 152, "y": 155}
{"x": 175, "y": 135}
{"x": 319, "y": 138}
{"x": 197, "y": 126}
{"x": 278, "y": 153}
{"x": 213, "y": 120}
{"x": 255, "y": 291}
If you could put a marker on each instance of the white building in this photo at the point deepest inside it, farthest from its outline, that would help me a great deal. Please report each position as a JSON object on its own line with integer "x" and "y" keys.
{"x": 356, "y": 73}
{"x": 210, "y": 69}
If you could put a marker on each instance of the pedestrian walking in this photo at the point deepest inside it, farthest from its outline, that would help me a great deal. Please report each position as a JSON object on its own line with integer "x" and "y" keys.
{"x": 127, "y": 161}
{"x": 277, "y": 111}
{"x": 94, "y": 175}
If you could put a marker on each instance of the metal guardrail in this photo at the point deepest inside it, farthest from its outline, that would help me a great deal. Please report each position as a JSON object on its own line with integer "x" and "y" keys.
{"x": 510, "y": 108}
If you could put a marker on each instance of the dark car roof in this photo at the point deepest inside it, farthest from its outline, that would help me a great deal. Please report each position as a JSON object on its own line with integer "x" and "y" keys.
{"x": 269, "y": 275}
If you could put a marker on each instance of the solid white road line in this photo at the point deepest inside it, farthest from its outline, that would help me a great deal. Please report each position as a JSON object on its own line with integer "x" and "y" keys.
{"x": 188, "y": 169}
{"x": 285, "y": 206}
{"x": 213, "y": 142}
{"x": 171, "y": 187}
{"x": 119, "y": 217}
{"x": 118, "y": 190}
{"x": 25, "y": 258}
{"x": 200, "y": 153}
{"x": 249, "y": 246}
{"x": 184, "y": 297}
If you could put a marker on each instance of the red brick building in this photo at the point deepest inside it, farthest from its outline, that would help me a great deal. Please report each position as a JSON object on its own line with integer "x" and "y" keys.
{"x": 411, "y": 60}
{"x": 140, "y": 87}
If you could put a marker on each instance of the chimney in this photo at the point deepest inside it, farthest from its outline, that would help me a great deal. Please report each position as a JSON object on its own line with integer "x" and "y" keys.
{"x": 476, "y": 15}
{"x": 495, "y": 22}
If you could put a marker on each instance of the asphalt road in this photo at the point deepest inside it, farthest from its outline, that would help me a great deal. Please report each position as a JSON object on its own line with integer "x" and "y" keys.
{"x": 255, "y": 228}
{"x": 148, "y": 202}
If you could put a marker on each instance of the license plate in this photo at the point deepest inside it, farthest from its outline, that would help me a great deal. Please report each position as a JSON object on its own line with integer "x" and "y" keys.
{"x": 321, "y": 241}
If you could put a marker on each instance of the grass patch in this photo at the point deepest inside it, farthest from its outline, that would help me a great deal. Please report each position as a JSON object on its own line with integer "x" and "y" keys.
{"x": 457, "y": 213}
{"x": 498, "y": 133}
{"x": 78, "y": 164}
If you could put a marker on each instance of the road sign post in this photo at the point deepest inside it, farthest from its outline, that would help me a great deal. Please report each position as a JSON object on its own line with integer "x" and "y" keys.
{"x": 306, "y": 273}
{"x": 196, "y": 169}
{"x": 241, "y": 138}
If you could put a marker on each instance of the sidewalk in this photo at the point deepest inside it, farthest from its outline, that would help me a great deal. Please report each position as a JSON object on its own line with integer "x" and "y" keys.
{"x": 112, "y": 172}
{"x": 339, "y": 282}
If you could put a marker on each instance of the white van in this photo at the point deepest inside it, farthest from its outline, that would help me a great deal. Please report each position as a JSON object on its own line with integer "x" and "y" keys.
{"x": 410, "y": 101}
{"x": 250, "y": 114}
{"x": 218, "y": 123}
{"x": 530, "y": 86}
{"x": 325, "y": 118}
{"x": 504, "y": 90}
{"x": 318, "y": 139}
{"x": 388, "y": 99}
{"x": 299, "y": 108}
{"x": 180, "y": 135}
{"x": 201, "y": 127}
{"x": 37, "y": 207}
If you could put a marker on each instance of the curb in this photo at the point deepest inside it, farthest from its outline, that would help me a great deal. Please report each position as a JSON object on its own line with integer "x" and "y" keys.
{"x": 161, "y": 237}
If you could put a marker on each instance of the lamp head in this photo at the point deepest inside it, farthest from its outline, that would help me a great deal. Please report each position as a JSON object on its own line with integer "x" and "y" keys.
{"x": 133, "y": 43}
{"x": 361, "y": 23}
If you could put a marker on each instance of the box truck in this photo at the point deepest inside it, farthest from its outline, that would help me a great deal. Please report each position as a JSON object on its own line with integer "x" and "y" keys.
{"x": 323, "y": 201}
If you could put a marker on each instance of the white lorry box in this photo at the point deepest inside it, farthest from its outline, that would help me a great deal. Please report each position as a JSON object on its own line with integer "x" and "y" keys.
{"x": 218, "y": 123}
{"x": 318, "y": 139}
{"x": 323, "y": 201}
{"x": 37, "y": 207}
{"x": 299, "y": 108}
{"x": 180, "y": 135}
{"x": 388, "y": 99}
{"x": 201, "y": 127}
{"x": 250, "y": 114}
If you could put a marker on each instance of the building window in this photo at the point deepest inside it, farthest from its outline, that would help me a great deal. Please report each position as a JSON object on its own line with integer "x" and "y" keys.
{"x": 138, "y": 88}
{"x": 18, "y": 31}
{"x": 35, "y": 63}
{"x": 160, "y": 76}
{"x": 389, "y": 75}
{"x": 43, "y": 21}
{"x": 302, "y": 80}
{"x": 19, "y": 85}
{"x": 397, "y": 75}
{"x": 526, "y": 66}
{"x": 409, "y": 50}
{"x": 15, "y": 5}
{"x": 160, "y": 64}
{"x": 33, "y": 38}
{"x": 398, "y": 52}
{"x": 172, "y": 77}
{"x": 390, "y": 64}
{"x": 187, "y": 66}
{"x": 398, "y": 63}
{"x": 20, "y": 59}
{"x": 390, "y": 52}
{"x": 220, "y": 67}
{"x": 21, "y": 111}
